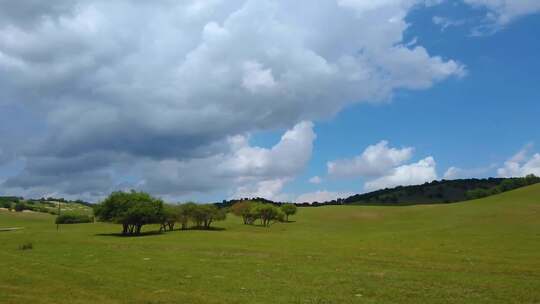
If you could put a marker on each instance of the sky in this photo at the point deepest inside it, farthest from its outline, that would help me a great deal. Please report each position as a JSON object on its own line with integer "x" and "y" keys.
{"x": 208, "y": 100}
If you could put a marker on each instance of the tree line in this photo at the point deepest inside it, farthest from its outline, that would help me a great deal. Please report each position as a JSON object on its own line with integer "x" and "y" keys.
{"x": 135, "y": 209}
{"x": 506, "y": 185}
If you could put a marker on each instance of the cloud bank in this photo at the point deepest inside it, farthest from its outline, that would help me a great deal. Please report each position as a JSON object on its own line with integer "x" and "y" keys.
{"x": 154, "y": 95}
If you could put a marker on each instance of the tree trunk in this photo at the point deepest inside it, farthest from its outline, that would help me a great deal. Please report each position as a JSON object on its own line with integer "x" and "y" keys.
{"x": 124, "y": 229}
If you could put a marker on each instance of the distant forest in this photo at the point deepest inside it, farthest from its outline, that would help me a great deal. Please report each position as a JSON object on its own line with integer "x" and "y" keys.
{"x": 436, "y": 192}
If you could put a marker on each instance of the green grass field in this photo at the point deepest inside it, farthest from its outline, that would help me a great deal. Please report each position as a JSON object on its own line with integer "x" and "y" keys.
{"x": 484, "y": 251}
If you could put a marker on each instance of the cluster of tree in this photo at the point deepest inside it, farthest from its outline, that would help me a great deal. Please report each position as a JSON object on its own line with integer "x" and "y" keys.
{"x": 71, "y": 218}
{"x": 251, "y": 211}
{"x": 63, "y": 200}
{"x": 229, "y": 203}
{"x": 135, "y": 209}
{"x": 201, "y": 216}
{"x": 506, "y": 185}
{"x": 6, "y": 204}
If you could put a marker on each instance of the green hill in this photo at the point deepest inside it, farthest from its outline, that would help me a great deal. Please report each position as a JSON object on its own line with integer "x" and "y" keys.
{"x": 444, "y": 191}
{"x": 480, "y": 251}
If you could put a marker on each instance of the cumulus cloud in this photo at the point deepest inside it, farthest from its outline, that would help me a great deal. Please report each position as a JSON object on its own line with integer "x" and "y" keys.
{"x": 376, "y": 160}
{"x": 521, "y": 164}
{"x": 384, "y": 166}
{"x": 166, "y": 85}
{"x": 412, "y": 174}
{"x": 321, "y": 196}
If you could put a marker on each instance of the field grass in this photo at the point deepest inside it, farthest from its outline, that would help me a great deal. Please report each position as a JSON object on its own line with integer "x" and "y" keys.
{"x": 484, "y": 251}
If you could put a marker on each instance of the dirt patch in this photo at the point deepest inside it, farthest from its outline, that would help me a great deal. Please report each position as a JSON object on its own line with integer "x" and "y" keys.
{"x": 11, "y": 229}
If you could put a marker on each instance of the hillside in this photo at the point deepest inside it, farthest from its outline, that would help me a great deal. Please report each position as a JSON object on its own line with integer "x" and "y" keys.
{"x": 480, "y": 251}
{"x": 444, "y": 191}
{"x": 49, "y": 205}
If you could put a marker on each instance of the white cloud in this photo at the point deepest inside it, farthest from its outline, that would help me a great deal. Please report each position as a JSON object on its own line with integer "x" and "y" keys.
{"x": 376, "y": 160}
{"x": 459, "y": 173}
{"x": 505, "y": 11}
{"x": 256, "y": 78}
{"x": 172, "y": 90}
{"x": 315, "y": 180}
{"x": 412, "y": 174}
{"x": 521, "y": 164}
{"x": 321, "y": 196}
{"x": 252, "y": 171}
{"x": 445, "y": 23}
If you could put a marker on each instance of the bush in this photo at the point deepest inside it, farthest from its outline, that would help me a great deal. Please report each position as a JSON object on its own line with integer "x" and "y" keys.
{"x": 19, "y": 207}
{"x": 6, "y": 205}
{"x": 73, "y": 219}
{"x": 26, "y": 246}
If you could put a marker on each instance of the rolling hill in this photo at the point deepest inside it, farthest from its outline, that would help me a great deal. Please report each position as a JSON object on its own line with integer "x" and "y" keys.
{"x": 479, "y": 251}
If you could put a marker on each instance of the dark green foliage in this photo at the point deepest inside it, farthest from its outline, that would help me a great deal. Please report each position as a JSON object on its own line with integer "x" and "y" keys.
{"x": 445, "y": 191}
{"x": 20, "y": 206}
{"x": 73, "y": 219}
{"x": 5, "y": 204}
{"x": 26, "y": 246}
{"x": 506, "y": 185}
{"x": 131, "y": 209}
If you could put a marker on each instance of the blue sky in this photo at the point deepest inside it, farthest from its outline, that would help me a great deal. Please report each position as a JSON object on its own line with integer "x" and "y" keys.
{"x": 283, "y": 100}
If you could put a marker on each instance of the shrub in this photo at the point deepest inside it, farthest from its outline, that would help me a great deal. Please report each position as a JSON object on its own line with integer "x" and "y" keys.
{"x": 19, "y": 207}
{"x": 26, "y": 246}
{"x": 73, "y": 219}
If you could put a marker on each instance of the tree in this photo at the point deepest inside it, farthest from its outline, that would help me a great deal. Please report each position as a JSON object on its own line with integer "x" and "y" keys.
{"x": 19, "y": 206}
{"x": 169, "y": 218}
{"x": 288, "y": 209}
{"x": 268, "y": 213}
{"x": 243, "y": 209}
{"x": 205, "y": 215}
{"x": 131, "y": 209}
{"x": 185, "y": 213}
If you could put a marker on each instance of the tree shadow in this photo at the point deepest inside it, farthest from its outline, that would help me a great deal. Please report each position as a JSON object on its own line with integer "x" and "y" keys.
{"x": 203, "y": 229}
{"x": 142, "y": 234}
{"x": 157, "y": 232}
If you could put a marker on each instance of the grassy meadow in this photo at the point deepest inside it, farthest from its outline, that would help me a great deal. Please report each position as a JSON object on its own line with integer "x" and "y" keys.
{"x": 482, "y": 251}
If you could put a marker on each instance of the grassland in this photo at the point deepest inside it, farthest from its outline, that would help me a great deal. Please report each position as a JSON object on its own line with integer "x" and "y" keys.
{"x": 483, "y": 251}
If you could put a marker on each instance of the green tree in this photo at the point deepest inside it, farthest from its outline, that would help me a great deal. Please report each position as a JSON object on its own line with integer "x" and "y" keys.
{"x": 244, "y": 210}
{"x": 185, "y": 214}
{"x": 20, "y": 206}
{"x": 132, "y": 210}
{"x": 205, "y": 215}
{"x": 268, "y": 214}
{"x": 288, "y": 209}
{"x": 169, "y": 217}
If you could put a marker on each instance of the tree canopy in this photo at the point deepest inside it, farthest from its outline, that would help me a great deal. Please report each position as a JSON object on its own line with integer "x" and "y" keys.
{"x": 130, "y": 209}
